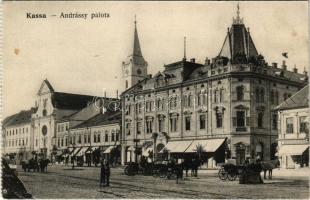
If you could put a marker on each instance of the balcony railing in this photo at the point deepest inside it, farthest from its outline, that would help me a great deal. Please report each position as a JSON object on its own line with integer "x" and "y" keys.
{"x": 241, "y": 129}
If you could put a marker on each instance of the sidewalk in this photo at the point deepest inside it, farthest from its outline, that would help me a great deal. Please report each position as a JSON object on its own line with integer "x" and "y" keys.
{"x": 301, "y": 172}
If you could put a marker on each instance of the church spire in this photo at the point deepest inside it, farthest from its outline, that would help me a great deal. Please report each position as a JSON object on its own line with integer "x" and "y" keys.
{"x": 238, "y": 19}
{"x": 136, "y": 43}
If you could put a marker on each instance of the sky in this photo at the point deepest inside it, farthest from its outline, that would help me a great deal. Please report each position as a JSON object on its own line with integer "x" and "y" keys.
{"x": 84, "y": 56}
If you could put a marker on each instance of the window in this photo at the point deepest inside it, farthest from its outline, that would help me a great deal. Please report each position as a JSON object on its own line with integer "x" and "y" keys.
{"x": 262, "y": 95}
{"x": 187, "y": 123}
{"x": 80, "y": 139}
{"x": 139, "y": 128}
{"x": 222, "y": 95}
{"x": 113, "y": 136}
{"x": 58, "y": 142}
{"x": 240, "y": 118}
{"x": 95, "y": 137}
{"x": 219, "y": 119}
{"x": 257, "y": 95}
{"x": 240, "y": 93}
{"x": 149, "y": 126}
{"x": 289, "y": 125}
{"x": 106, "y": 136}
{"x": 285, "y": 96}
{"x": 66, "y": 142}
{"x": 202, "y": 121}
{"x": 85, "y": 138}
{"x": 128, "y": 127}
{"x": 117, "y": 135}
{"x": 260, "y": 120}
{"x": 126, "y": 84}
{"x": 62, "y": 142}
{"x": 36, "y": 142}
{"x": 27, "y": 130}
{"x": 23, "y": 130}
{"x": 303, "y": 125}
{"x": 274, "y": 121}
{"x": 44, "y": 112}
{"x": 139, "y": 71}
{"x": 161, "y": 124}
{"x": 189, "y": 102}
{"x": 276, "y": 97}
{"x": 215, "y": 96}
{"x": 98, "y": 137}
{"x": 272, "y": 97}
{"x": 67, "y": 127}
{"x": 173, "y": 124}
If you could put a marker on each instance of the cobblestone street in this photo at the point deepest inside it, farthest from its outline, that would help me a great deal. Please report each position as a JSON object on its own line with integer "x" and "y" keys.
{"x": 62, "y": 182}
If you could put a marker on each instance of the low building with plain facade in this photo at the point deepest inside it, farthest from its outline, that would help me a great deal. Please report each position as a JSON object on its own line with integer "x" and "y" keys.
{"x": 293, "y": 142}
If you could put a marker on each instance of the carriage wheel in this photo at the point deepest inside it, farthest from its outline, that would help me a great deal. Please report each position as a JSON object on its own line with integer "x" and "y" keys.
{"x": 222, "y": 174}
{"x": 232, "y": 176}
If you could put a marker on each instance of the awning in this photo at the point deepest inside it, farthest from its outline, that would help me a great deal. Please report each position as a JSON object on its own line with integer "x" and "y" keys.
{"x": 82, "y": 151}
{"x": 109, "y": 149}
{"x": 210, "y": 145}
{"x": 72, "y": 150}
{"x": 293, "y": 149}
{"x": 76, "y": 151}
{"x": 177, "y": 146}
{"x": 146, "y": 151}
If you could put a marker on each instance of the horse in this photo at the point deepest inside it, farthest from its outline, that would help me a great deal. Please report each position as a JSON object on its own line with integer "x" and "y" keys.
{"x": 269, "y": 166}
{"x": 31, "y": 164}
{"x": 43, "y": 164}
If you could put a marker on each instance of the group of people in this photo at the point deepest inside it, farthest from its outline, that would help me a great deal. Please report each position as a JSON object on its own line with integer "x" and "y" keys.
{"x": 105, "y": 173}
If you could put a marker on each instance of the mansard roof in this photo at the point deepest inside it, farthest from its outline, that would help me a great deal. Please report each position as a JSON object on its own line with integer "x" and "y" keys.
{"x": 22, "y": 117}
{"x": 298, "y": 100}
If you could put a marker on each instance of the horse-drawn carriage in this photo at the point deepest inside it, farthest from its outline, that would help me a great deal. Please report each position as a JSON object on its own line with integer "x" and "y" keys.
{"x": 230, "y": 171}
{"x": 133, "y": 168}
{"x": 35, "y": 165}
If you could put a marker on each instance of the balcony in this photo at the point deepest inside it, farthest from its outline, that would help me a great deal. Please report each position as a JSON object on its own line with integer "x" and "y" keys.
{"x": 241, "y": 129}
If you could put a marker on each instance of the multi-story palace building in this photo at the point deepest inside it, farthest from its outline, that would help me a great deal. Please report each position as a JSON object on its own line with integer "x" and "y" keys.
{"x": 224, "y": 105}
{"x": 294, "y": 130}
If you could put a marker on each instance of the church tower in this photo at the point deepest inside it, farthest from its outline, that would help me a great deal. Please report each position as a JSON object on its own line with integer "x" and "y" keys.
{"x": 134, "y": 67}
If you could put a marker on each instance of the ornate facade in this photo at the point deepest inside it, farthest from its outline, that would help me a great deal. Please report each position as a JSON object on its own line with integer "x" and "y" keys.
{"x": 227, "y": 101}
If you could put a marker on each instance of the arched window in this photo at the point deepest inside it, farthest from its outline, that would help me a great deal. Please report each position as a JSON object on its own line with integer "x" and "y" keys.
{"x": 240, "y": 93}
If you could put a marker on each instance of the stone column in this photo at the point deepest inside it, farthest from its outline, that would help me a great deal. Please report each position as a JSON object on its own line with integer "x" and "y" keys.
{"x": 123, "y": 154}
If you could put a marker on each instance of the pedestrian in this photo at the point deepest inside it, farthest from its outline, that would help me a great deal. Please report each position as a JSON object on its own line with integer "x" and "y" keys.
{"x": 179, "y": 172}
{"x": 102, "y": 174}
{"x": 107, "y": 173}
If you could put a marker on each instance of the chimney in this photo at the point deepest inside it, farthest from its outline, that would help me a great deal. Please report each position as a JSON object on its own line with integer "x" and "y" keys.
{"x": 207, "y": 61}
{"x": 193, "y": 60}
{"x": 284, "y": 67}
{"x": 275, "y": 65}
{"x": 295, "y": 70}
